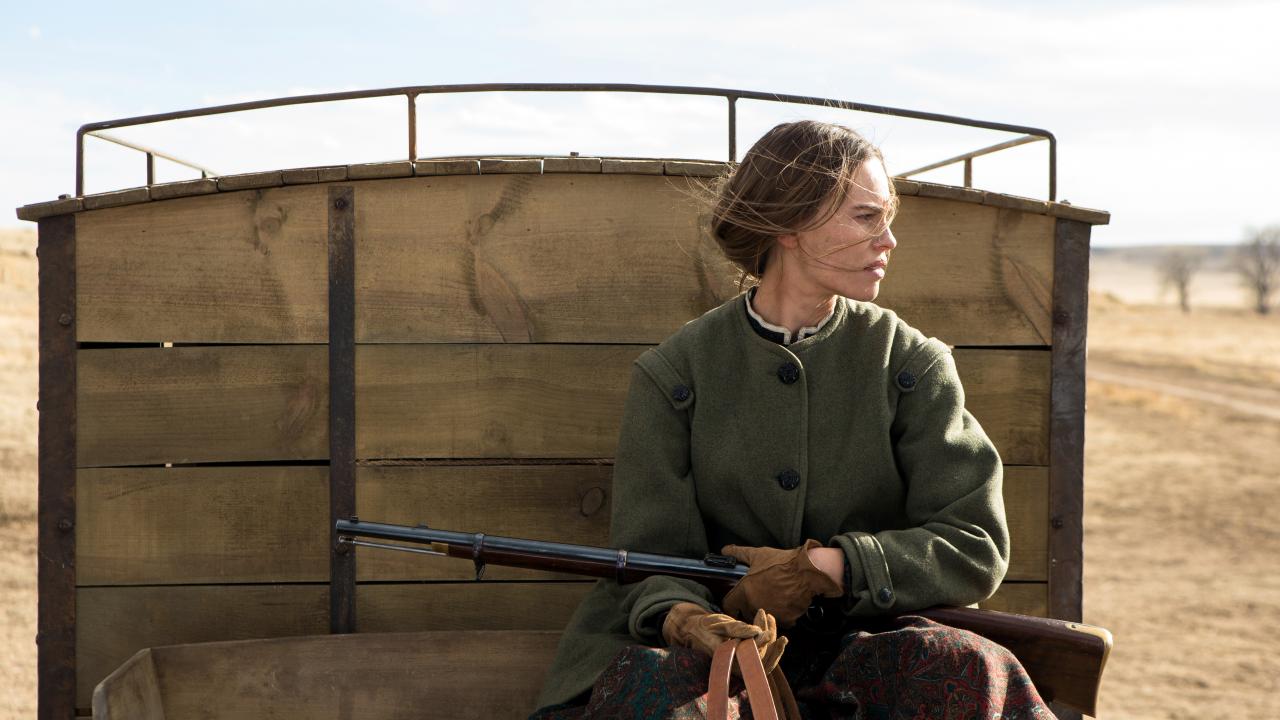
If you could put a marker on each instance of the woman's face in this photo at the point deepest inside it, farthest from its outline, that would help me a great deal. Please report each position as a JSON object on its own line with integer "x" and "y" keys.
{"x": 848, "y": 254}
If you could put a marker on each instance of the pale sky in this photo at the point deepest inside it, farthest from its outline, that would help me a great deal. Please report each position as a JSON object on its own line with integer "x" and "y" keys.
{"x": 1165, "y": 112}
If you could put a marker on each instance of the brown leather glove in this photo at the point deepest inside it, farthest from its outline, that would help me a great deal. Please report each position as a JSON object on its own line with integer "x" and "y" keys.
{"x": 688, "y": 625}
{"x": 782, "y": 582}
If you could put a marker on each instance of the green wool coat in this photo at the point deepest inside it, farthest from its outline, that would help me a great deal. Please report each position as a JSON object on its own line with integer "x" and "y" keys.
{"x": 856, "y": 436}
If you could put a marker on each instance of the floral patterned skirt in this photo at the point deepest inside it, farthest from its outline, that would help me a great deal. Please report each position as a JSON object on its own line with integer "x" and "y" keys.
{"x": 914, "y": 669}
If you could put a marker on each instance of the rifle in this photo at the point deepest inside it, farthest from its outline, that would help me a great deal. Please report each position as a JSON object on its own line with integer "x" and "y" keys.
{"x": 1064, "y": 659}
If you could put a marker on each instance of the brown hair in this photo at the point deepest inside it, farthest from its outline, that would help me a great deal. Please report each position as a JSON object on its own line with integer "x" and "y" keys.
{"x": 793, "y": 179}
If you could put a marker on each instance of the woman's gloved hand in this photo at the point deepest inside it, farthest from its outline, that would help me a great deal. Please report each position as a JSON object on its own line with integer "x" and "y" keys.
{"x": 781, "y": 582}
{"x": 688, "y": 625}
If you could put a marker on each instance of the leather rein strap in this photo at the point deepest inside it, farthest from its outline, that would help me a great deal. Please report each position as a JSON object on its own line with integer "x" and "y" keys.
{"x": 758, "y": 692}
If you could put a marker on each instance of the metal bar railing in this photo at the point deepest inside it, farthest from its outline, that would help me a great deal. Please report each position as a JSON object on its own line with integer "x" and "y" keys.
{"x": 152, "y": 154}
{"x": 968, "y": 157}
{"x": 412, "y": 92}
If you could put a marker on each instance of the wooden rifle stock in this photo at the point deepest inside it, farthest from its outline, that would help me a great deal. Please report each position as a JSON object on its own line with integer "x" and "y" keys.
{"x": 1064, "y": 659}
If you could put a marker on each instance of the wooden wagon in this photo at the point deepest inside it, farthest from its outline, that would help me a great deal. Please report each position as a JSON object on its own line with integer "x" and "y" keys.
{"x": 228, "y": 364}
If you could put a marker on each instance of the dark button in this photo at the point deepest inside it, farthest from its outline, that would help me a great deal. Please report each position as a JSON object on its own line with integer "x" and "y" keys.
{"x": 789, "y": 479}
{"x": 680, "y": 393}
{"x": 886, "y": 595}
{"x": 788, "y": 372}
{"x": 906, "y": 380}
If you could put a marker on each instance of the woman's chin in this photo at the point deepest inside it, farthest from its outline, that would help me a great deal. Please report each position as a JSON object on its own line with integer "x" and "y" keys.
{"x": 863, "y": 293}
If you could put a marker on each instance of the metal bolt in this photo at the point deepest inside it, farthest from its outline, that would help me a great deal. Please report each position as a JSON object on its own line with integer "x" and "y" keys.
{"x": 64, "y": 524}
{"x": 63, "y": 196}
{"x": 64, "y": 319}
{"x": 1057, "y": 522}
{"x": 340, "y": 204}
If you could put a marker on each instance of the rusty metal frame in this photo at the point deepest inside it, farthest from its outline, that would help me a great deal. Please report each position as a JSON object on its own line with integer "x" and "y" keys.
{"x": 412, "y": 92}
{"x": 967, "y": 158}
{"x": 56, "y": 548}
{"x": 342, "y": 404}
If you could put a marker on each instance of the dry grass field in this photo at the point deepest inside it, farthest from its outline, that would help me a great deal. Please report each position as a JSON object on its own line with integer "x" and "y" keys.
{"x": 1182, "y": 489}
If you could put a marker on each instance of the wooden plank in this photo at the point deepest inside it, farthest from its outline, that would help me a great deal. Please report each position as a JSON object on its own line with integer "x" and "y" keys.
{"x": 1026, "y": 502}
{"x": 117, "y": 197}
{"x": 49, "y": 208}
{"x": 477, "y": 401}
{"x": 1021, "y": 598}
{"x": 56, "y": 618}
{"x": 559, "y": 503}
{"x": 116, "y": 622}
{"x": 184, "y": 188}
{"x": 532, "y": 258}
{"x": 387, "y": 607}
{"x": 200, "y": 404}
{"x": 268, "y": 523}
{"x": 371, "y": 171}
{"x": 227, "y": 267}
{"x": 250, "y": 181}
{"x": 516, "y": 258}
{"x": 1008, "y": 392}
{"x": 131, "y": 691}
{"x": 247, "y": 403}
{"x": 342, "y": 403}
{"x": 202, "y": 525}
{"x": 971, "y": 274}
{"x": 453, "y": 675}
{"x": 1066, "y": 469}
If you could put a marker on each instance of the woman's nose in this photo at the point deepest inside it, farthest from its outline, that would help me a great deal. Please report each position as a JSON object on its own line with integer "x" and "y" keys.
{"x": 886, "y": 240}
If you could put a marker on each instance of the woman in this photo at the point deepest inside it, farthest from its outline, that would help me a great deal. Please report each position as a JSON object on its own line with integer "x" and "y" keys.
{"x": 819, "y": 439}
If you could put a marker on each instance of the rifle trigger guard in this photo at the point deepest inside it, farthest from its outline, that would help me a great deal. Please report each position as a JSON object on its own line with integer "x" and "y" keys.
{"x": 620, "y": 566}
{"x": 477, "y": 548}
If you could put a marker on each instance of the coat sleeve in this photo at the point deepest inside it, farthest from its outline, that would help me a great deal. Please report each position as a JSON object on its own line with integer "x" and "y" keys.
{"x": 954, "y": 549}
{"x": 654, "y": 505}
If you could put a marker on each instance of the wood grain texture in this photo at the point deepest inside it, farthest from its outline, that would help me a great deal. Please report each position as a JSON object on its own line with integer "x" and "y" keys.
{"x": 514, "y": 258}
{"x": 531, "y": 258}
{"x": 971, "y": 274}
{"x": 1066, "y": 471}
{"x": 201, "y": 404}
{"x": 1021, "y": 598}
{"x": 468, "y": 401}
{"x": 386, "y": 607}
{"x": 116, "y": 622}
{"x": 558, "y": 503}
{"x": 131, "y": 692}
{"x": 245, "y": 403}
{"x": 383, "y": 676}
{"x": 1026, "y": 503}
{"x": 153, "y": 526}
{"x": 202, "y": 525}
{"x": 229, "y": 267}
{"x": 1008, "y": 392}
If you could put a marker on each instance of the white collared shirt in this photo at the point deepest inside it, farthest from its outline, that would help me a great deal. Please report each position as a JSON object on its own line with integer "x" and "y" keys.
{"x": 801, "y": 334}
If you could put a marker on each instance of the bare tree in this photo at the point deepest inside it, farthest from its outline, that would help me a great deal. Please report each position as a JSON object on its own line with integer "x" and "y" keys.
{"x": 1258, "y": 262}
{"x": 1176, "y": 268}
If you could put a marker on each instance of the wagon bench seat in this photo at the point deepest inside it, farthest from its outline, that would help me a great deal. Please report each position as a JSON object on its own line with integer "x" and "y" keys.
{"x": 445, "y": 674}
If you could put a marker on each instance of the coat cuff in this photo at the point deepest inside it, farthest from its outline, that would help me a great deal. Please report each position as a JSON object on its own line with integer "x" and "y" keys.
{"x": 653, "y": 597}
{"x": 868, "y": 571}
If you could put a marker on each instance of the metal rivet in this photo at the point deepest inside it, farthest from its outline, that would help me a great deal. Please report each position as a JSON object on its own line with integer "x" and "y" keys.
{"x": 340, "y": 204}
{"x": 63, "y": 196}
{"x": 64, "y": 319}
{"x": 64, "y": 524}
{"x": 1057, "y": 522}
